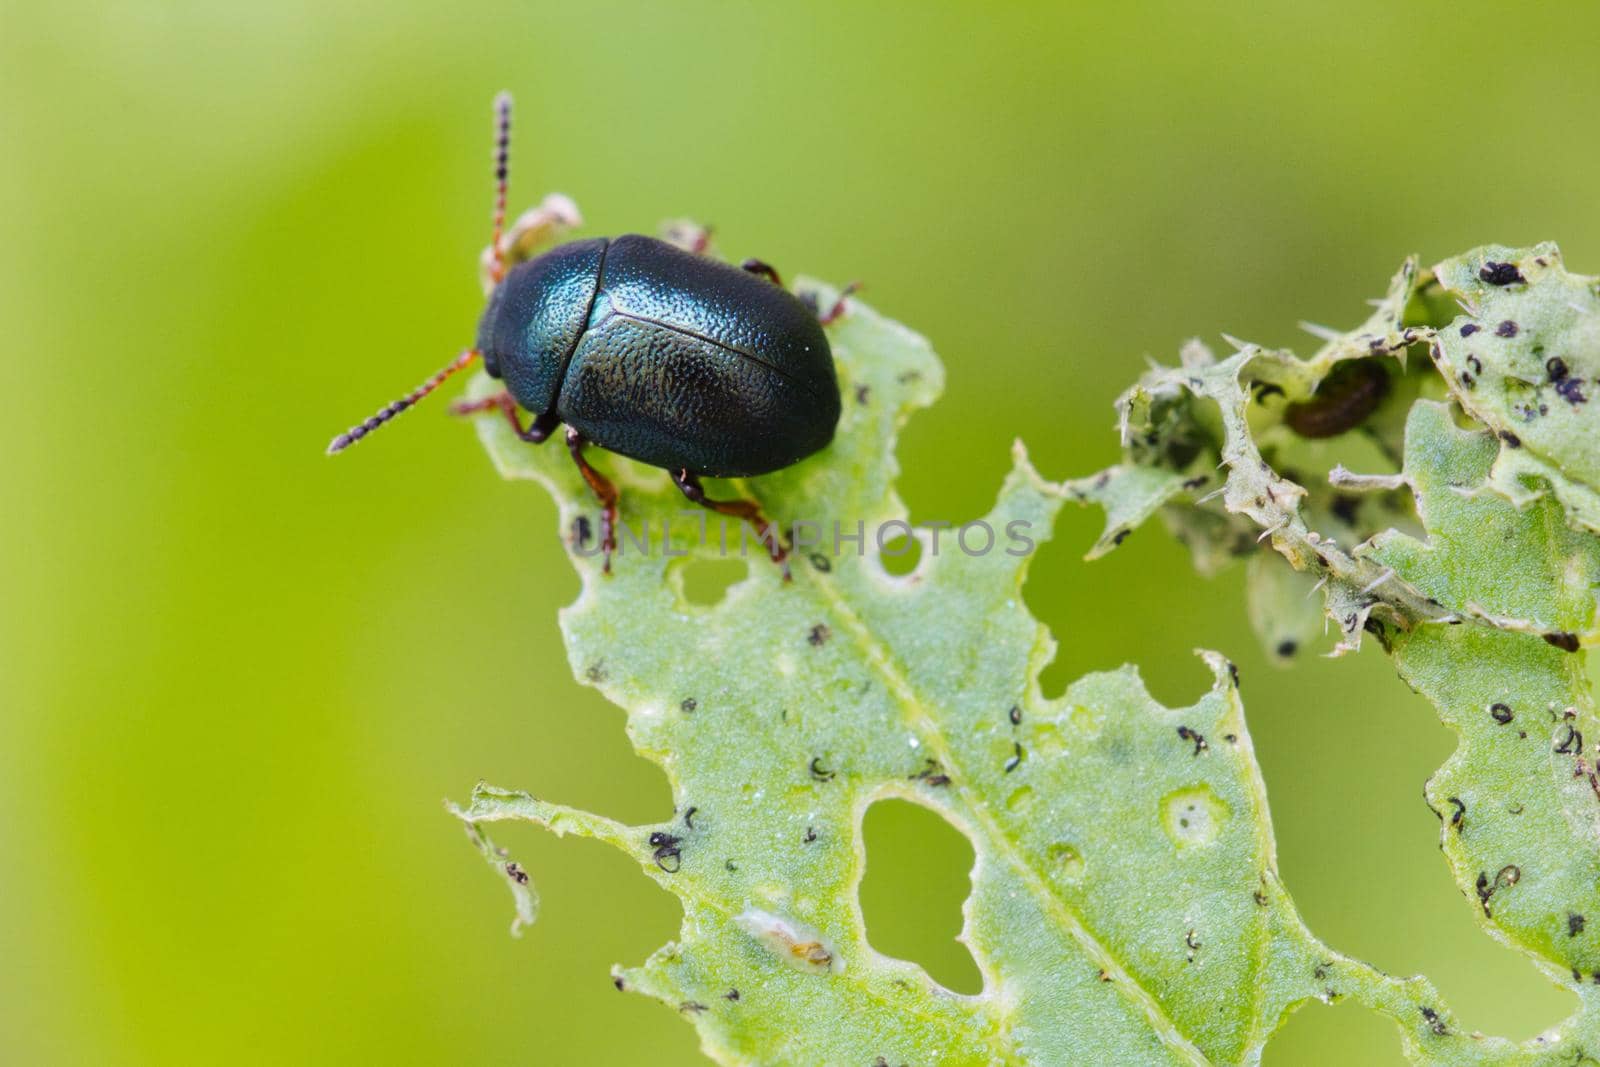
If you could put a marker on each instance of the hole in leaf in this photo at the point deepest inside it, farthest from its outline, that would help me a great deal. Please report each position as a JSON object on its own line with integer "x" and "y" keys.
{"x": 1344, "y": 1033}
{"x": 900, "y": 555}
{"x": 1320, "y": 727}
{"x": 911, "y": 895}
{"x": 705, "y": 581}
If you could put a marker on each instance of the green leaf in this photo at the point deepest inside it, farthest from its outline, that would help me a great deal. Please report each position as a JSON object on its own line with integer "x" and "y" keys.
{"x": 1125, "y": 902}
{"x": 1483, "y": 589}
{"x": 1519, "y": 798}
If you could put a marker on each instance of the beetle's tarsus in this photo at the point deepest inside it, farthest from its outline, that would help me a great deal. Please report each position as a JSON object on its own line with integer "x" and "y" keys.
{"x": 756, "y": 266}
{"x": 828, "y": 318}
{"x": 748, "y": 510}
{"x": 536, "y": 434}
{"x": 604, "y": 491}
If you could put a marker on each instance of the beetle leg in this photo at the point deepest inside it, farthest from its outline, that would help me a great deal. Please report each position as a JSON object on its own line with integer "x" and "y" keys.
{"x": 756, "y": 266}
{"x": 748, "y": 510}
{"x": 603, "y": 489}
{"x": 833, "y": 313}
{"x": 543, "y": 425}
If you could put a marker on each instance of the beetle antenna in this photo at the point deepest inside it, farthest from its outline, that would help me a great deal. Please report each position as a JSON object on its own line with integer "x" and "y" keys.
{"x": 502, "y": 174}
{"x": 360, "y": 430}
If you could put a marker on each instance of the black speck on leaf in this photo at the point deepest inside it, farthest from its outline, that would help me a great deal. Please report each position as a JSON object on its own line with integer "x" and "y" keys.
{"x": 1571, "y": 390}
{"x": 1566, "y": 642}
{"x": 1500, "y": 273}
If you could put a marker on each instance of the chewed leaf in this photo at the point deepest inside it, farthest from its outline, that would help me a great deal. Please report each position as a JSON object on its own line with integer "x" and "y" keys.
{"x": 1519, "y": 798}
{"x": 1178, "y": 407}
{"x": 1484, "y": 558}
{"x": 1125, "y": 904}
{"x": 1482, "y": 586}
{"x": 1129, "y": 494}
{"x": 1525, "y": 361}
{"x": 1263, "y": 415}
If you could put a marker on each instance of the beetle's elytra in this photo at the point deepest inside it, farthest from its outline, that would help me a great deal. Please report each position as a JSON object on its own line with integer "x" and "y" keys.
{"x": 670, "y": 358}
{"x": 646, "y": 349}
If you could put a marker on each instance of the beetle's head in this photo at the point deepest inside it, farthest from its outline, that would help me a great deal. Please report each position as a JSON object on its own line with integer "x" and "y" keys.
{"x": 486, "y": 322}
{"x": 503, "y": 283}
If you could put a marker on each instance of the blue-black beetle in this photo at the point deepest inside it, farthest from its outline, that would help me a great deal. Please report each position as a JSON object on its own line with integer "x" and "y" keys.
{"x": 646, "y": 349}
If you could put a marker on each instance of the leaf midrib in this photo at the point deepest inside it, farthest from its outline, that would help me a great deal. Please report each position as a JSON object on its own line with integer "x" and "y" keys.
{"x": 916, "y": 714}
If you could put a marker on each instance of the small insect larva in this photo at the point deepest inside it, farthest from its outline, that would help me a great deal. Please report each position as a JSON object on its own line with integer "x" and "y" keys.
{"x": 796, "y": 944}
{"x": 1351, "y": 391}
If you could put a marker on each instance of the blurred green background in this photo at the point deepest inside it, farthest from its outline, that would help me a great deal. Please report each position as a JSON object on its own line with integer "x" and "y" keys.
{"x": 237, "y": 677}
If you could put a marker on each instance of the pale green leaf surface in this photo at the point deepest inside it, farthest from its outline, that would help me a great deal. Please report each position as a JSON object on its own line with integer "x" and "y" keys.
{"x": 1525, "y": 361}
{"x": 1125, "y": 906}
{"x": 1519, "y": 798}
